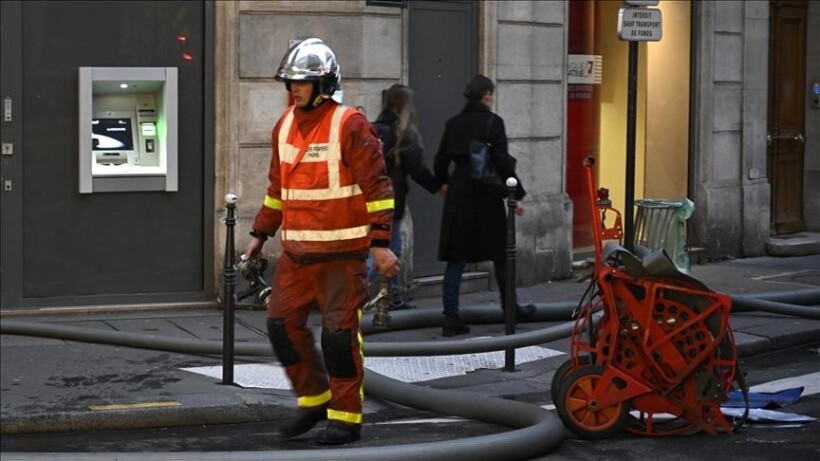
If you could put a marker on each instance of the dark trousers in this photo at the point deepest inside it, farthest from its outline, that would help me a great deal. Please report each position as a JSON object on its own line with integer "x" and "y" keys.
{"x": 452, "y": 284}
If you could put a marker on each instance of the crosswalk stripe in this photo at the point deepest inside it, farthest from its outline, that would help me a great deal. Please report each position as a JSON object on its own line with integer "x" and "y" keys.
{"x": 810, "y": 383}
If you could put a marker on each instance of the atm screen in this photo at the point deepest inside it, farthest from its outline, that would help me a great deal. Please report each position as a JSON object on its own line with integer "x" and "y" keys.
{"x": 112, "y": 134}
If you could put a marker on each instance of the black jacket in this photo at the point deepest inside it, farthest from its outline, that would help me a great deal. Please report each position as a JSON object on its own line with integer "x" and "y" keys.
{"x": 473, "y": 224}
{"x": 411, "y": 161}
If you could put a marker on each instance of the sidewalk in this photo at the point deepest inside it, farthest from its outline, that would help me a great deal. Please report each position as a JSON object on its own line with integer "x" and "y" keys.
{"x": 51, "y": 384}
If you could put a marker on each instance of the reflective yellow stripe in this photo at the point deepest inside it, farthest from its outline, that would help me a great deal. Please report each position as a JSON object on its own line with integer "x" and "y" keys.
{"x": 310, "y": 401}
{"x": 379, "y": 205}
{"x": 326, "y": 235}
{"x": 322, "y": 194}
{"x": 352, "y": 418}
{"x": 361, "y": 354}
{"x": 273, "y": 203}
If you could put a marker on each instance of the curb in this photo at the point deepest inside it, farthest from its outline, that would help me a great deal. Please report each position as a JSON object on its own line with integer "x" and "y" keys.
{"x": 231, "y": 409}
{"x": 750, "y": 344}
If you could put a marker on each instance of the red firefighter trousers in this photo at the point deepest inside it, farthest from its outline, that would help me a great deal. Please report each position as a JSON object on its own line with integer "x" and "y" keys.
{"x": 339, "y": 288}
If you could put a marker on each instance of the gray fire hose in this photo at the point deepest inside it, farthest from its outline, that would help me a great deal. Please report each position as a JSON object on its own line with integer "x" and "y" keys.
{"x": 538, "y": 431}
{"x": 371, "y": 348}
{"x": 797, "y": 303}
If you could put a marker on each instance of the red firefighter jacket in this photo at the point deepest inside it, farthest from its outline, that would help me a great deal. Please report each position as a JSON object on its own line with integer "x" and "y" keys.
{"x": 329, "y": 192}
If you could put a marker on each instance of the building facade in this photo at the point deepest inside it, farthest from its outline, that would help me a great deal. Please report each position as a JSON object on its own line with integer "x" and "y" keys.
{"x": 725, "y": 116}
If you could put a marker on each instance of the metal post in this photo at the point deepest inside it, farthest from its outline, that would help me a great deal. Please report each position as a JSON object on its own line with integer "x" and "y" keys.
{"x": 509, "y": 296}
{"x": 228, "y": 301}
{"x": 632, "y": 97}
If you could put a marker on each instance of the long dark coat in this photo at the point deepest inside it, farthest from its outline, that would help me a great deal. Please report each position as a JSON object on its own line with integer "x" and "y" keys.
{"x": 473, "y": 224}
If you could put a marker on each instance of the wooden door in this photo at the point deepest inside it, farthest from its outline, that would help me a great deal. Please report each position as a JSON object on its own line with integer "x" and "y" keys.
{"x": 787, "y": 95}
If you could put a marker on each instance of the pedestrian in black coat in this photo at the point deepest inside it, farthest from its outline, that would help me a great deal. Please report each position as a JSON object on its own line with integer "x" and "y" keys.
{"x": 474, "y": 220}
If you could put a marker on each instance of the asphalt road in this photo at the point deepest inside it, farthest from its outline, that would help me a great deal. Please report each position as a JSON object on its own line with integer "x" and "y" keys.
{"x": 398, "y": 425}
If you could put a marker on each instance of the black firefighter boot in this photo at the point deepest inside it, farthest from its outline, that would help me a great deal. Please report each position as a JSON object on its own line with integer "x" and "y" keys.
{"x": 453, "y": 326}
{"x": 338, "y": 433}
{"x": 303, "y": 421}
{"x": 306, "y": 417}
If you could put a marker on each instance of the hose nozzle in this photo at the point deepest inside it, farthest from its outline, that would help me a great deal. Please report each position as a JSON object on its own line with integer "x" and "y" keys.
{"x": 381, "y": 318}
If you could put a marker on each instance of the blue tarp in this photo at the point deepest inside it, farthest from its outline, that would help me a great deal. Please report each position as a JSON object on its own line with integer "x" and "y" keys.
{"x": 763, "y": 399}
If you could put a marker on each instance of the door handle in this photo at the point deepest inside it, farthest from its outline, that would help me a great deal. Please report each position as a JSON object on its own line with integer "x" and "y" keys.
{"x": 799, "y": 138}
{"x": 769, "y": 140}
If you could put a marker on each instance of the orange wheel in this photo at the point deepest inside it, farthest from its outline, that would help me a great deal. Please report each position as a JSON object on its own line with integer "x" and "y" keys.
{"x": 561, "y": 372}
{"x": 581, "y": 413}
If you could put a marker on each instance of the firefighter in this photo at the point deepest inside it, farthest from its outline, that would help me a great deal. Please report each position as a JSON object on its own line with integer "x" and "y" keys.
{"x": 332, "y": 202}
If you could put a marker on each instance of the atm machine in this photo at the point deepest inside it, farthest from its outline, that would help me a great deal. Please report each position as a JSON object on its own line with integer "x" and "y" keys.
{"x": 113, "y": 138}
{"x": 128, "y": 129}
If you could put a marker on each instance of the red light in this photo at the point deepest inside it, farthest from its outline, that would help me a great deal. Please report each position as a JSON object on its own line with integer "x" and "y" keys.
{"x": 182, "y": 38}
{"x": 187, "y": 56}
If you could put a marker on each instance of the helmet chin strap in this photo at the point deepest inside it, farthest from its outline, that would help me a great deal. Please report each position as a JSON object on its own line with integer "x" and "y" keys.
{"x": 316, "y": 98}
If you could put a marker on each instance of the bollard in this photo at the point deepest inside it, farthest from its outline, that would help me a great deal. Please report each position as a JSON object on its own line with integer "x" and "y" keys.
{"x": 228, "y": 301}
{"x": 381, "y": 318}
{"x": 509, "y": 297}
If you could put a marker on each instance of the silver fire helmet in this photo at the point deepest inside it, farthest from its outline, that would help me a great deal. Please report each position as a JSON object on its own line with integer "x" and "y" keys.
{"x": 312, "y": 60}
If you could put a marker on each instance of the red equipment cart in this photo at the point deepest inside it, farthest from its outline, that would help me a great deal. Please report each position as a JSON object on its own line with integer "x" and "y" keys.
{"x": 652, "y": 351}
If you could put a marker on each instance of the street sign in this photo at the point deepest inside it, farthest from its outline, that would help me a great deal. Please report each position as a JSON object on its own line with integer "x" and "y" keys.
{"x": 639, "y": 24}
{"x": 584, "y": 69}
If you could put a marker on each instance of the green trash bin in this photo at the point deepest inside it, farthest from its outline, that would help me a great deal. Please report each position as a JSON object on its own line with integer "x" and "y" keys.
{"x": 661, "y": 223}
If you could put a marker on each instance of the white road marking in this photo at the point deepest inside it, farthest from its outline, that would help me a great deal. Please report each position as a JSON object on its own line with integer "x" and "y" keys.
{"x": 423, "y": 421}
{"x": 782, "y": 274}
{"x": 406, "y": 369}
{"x": 809, "y": 382}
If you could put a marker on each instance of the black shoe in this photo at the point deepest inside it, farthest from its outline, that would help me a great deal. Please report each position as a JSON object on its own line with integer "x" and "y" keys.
{"x": 338, "y": 433}
{"x": 453, "y": 326}
{"x": 524, "y": 312}
{"x": 303, "y": 422}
